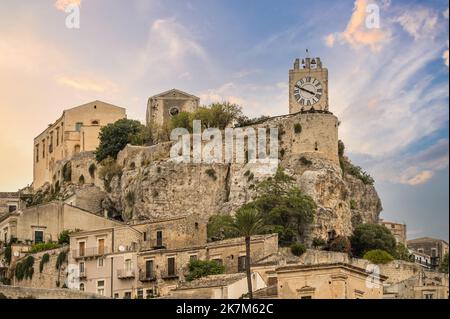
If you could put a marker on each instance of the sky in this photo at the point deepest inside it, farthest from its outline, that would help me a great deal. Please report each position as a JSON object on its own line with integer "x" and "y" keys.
{"x": 388, "y": 81}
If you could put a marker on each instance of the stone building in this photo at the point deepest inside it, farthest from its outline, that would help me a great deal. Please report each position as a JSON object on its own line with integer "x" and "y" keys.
{"x": 397, "y": 229}
{"x": 9, "y": 202}
{"x": 161, "y": 107}
{"x": 77, "y": 130}
{"x": 433, "y": 247}
{"x": 424, "y": 285}
{"x": 327, "y": 281}
{"x": 42, "y": 223}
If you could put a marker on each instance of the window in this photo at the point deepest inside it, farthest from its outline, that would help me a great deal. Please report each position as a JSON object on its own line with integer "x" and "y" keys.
{"x": 81, "y": 287}
{"x": 145, "y": 236}
{"x": 81, "y": 248}
{"x": 37, "y": 153}
{"x": 127, "y": 295}
{"x": 78, "y": 126}
{"x": 57, "y": 136}
{"x": 140, "y": 294}
{"x": 38, "y": 236}
{"x": 116, "y": 295}
{"x": 306, "y": 297}
{"x": 43, "y": 149}
{"x": 171, "y": 266}
{"x": 12, "y": 208}
{"x": 428, "y": 296}
{"x": 101, "y": 262}
{"x": 101, "y": 246}
{"x": 76, "y": 149}
{"x": 128, "y": 264}
{"x": 81, "y": 268}
{"x": 95, "y": 122}
{"x": 159, "y": 238}
{"x": 149, "y": 269}
{"x": 241, "y": 264}
{"x": 149, "y": 293}
{"x": 101, "y": 287}
{"x": 433, "y": 252}
{"x": 193, "y": 257}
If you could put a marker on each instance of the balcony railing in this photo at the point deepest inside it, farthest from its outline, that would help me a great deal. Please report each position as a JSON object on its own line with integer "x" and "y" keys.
{"x": 147, "y": 276}
{"x": 168, "y": 275}
{"x": 83, "y": 274}
{"x": 125, "y": 273}
{"x": 89, "y": 252}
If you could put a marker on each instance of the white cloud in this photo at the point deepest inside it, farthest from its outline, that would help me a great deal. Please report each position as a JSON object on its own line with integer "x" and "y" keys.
{"x": 63, "y": 4}
{"x": 419, "y": 23}
{"x": 87, "y": 83}
{"x": 358, "y": 34}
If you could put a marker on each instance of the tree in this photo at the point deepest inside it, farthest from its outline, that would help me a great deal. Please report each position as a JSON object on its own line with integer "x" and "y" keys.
{"x": 247, "y": 222}
{"x": 340, "y": 244}
{"x": 217, "y": 227}
{"x": 402, "y": 253}
{"x": 114, "y": 137}
{"x": 444, "y": 264}
{"x": 202, "y": 268}
{"x": 372, "y": 236}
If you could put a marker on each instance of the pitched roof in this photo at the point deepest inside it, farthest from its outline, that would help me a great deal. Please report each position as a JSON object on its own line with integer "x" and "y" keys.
{"x": 165, "y": 93}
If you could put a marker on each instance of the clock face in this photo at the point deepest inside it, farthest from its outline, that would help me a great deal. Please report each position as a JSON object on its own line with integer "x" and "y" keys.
{"x": 308, "y": 91}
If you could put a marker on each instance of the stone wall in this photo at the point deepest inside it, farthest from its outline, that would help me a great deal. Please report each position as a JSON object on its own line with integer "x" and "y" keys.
{"x": 50, "y": 277}
{"x": 39, "y": 293}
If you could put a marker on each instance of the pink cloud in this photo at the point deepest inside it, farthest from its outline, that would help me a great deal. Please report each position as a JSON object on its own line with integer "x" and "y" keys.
{"x": 62, "y": 4}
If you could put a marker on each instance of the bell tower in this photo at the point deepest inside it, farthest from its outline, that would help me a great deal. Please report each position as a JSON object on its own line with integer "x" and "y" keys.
{"x": 308, "y": 85}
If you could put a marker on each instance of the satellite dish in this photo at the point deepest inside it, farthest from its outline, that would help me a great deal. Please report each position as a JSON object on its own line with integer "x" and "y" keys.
{"x": 121, "y": 248}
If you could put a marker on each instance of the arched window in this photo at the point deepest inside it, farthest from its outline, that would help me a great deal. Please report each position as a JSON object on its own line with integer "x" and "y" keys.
{"x": 76, "y": 149}
{"x": 81, "y": 287}
{"x": 95, "y": 122}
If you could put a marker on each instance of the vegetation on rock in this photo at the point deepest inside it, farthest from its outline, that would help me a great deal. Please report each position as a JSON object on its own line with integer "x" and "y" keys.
{"x": 203, "y": 268}
{"x": 378, "y": 256}
{"x": 109, "y": 169}
{"x": 45, "y": 259}
{"x": 43, "y": 247}
{"x": 24, "y": 269}
{"x": 298, "y": 249}
{"x": 348, "y": 168}
{"x": 340, "y": 244}
{"x": 444, "y": 264}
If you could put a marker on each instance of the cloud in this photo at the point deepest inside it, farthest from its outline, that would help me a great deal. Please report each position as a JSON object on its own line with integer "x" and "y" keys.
{"x": 358, "y": 32}
{"x": 63, "y": 4}
{"x": 87, "y": 83}
{"x": 419, "y": 23}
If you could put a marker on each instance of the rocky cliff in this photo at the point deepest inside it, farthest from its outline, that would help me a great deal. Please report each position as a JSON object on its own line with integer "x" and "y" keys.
{"x": 150, "y": 186}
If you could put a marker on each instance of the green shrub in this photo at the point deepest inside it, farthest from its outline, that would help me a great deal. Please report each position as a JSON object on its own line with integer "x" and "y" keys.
{"x": 217, "y": 227}
{"x": 202, "y": 268}
{"x": 378, "y": 256}
{"x": 298, "y": 249}
{"x": 372, "y": 236}
{"x": 64, "y": 237}
{"x": 211, "y": 173}
{"x": 340, "y": 244}
{"x": 43, "y": 247}
{"x": 7, "y": 255}
{"x": 92, "y": 169}
{"x": 45, "y": 259}
{"x": 443, "y": 267}
{"x": 318, "y": 242}
{"x": 297, "y": 128}
{"x": 24, "y": 269}
{"x": 62, "y": 258}
{"x": 402, "y": 253}
{"x": 352, "y": 204}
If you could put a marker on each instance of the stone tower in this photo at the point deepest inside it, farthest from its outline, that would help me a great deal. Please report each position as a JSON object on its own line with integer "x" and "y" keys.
{"x": 163, "y": 106}
{"x": 308, "y": 86}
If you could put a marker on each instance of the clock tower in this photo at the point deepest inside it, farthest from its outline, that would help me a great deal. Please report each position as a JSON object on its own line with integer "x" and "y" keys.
{"x": 308, "y": 86}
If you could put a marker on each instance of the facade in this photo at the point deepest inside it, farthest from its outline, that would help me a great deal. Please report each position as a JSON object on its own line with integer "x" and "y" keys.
{"x": 425, "y": 285}
{"x": 9, "y": 202}
{"x": 76, "y": 131}
{"x": 308, "y": 86}
{"x": 45, "y": 222}
{"x": 161, "y": 107}
{"x": 327, "y": 281}
{"x": 228, "y": 286}
{"x": 150, "y": 259}
{"x": 433, "y": 247}
{"x": 397, "y": 229}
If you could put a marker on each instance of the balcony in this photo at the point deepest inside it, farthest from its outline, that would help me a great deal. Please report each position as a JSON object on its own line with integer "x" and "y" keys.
{"x": 144, "y": 277}
{"x": 125, "y": 273}
{"x": 169, "y": 276}
{"x": 89, "y": 252}
{"x": 83, "y": 274}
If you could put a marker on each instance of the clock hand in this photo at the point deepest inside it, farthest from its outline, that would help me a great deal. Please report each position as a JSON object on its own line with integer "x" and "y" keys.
{"x": 307, "y": 91}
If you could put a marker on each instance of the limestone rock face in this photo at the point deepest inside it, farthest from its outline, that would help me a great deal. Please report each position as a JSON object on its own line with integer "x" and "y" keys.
{"x": 152, "y": 186}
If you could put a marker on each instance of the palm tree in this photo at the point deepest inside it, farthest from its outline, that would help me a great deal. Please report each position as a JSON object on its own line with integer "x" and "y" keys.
{"x": 247, "y": 222}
